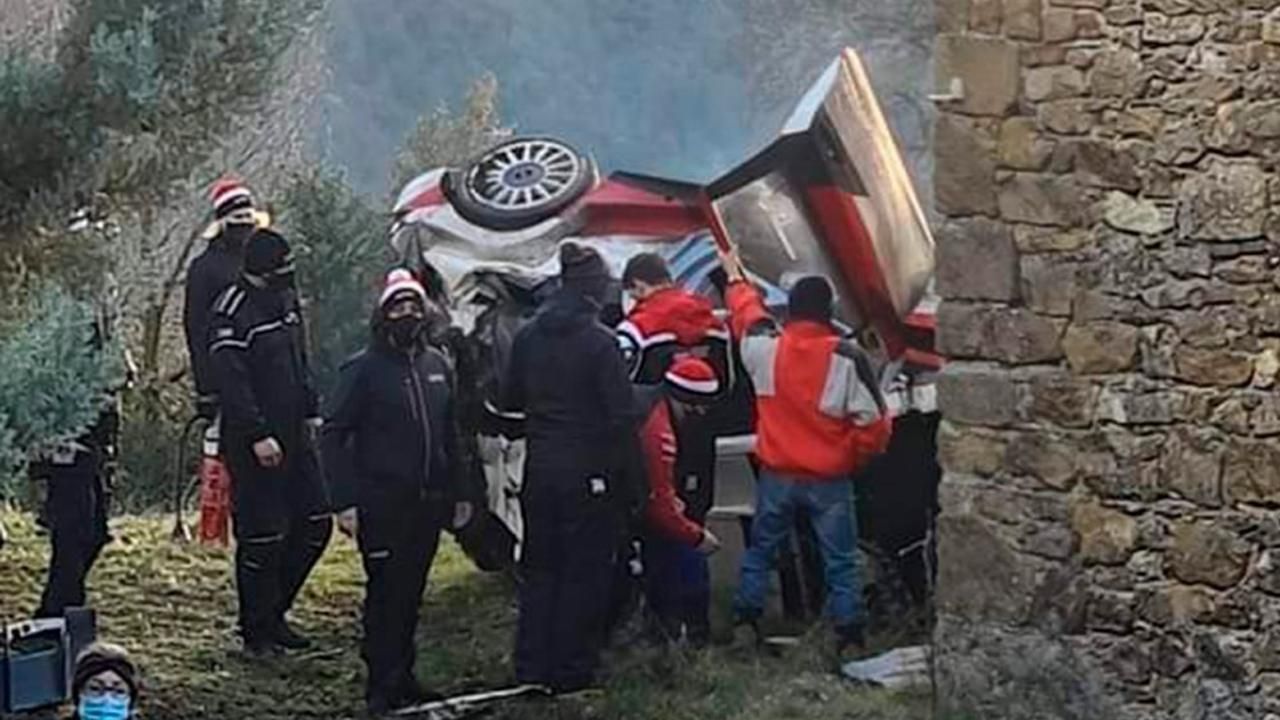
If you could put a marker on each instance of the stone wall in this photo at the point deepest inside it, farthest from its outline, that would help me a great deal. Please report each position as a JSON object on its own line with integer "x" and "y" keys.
{"x": 1110, "y": 536}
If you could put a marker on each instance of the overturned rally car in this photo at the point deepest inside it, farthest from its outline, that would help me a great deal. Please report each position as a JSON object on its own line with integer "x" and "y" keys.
{"x": 830, "y": 196}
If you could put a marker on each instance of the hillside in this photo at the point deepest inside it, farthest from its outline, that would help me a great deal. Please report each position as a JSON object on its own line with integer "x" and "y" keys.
{"x": 174, "y": 607}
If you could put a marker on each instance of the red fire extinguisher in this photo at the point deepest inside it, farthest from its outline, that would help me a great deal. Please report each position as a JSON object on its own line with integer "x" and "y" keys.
{"x": 215, "y": 493}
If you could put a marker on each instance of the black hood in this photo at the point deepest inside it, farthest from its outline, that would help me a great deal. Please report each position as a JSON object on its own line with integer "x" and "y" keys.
{"x": 569, "y": 309}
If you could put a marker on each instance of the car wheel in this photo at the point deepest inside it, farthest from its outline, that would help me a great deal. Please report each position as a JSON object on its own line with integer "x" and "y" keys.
{"x": 520, "y": 183}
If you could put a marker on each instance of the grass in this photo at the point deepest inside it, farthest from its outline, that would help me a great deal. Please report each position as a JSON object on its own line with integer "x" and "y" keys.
{"x": 173, "y": 606}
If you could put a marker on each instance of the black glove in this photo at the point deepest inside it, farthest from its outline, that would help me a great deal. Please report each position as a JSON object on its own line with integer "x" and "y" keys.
{"x": 207, "y": 407}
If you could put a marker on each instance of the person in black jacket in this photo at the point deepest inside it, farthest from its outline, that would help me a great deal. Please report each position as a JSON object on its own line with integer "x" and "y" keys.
{"x": 397, "y": 478}
{"x": 258, "y": 360}
{"x": 211, "y": 273}
{"x": 567, "y": 376}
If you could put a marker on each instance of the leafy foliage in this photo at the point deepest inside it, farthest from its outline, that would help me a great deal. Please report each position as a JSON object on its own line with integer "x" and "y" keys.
{"x": 341, "y": 246}
{"x": 441, "y": 138}
{"x": 55, "y": 377}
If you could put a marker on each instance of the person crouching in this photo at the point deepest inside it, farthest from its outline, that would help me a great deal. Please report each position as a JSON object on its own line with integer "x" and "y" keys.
{"x": 677, "y": 543}
{"x": 391, "y": 450}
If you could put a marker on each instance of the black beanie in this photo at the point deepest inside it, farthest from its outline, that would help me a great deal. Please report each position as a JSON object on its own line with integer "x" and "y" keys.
{"x": 99, "y": 658}
{"x": 266, "y": 252}
{"x": 811, "y": 299}
{"x": 579, "y": 263}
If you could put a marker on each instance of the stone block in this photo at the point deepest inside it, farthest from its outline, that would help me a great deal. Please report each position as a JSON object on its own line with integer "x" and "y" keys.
{"x": 1219, "y": 368}
{"x": 1105, "y": 165}
{"x": 1048, "y": 458}
{"x": 1116, "y": 74}
{"x": 1058, "y": 25}
{"x": 1252, "y": 472}
{"x": 1067, "y": 117}
{"x": 964, "y": 168}
{"x": 1037, "y": 239}
{"x": 1191, "y": 467}
{"x": 1021, "y": 147}
{"x": 984, "y": 16}
{"x": 1040, "y": 200}
{"x": 1170, "y": 606}
{"x": 1049, "y": 286}
{"x": 1271, "y": 27}
{"x": 977, "y": 260}
{"x": 1111, "y": 612}
{"x": 1101, "y": 347}
{"x": 988, "y": 67}
{"x": 1022, "y": 19}
{"x": 1054, "y": 82}
{"x": 1228, "y": 201}
{"x": 1206, "y": 553}
{"x": 1160, "y": 29}
{"x": 1107, "y": 537}
{"x": 968, "y": 548}
{"x": 1062, "y": 399}
{"x": 969, "y": 395}
{"x": 952, "y": 16}
{"x": 1267, "y": 571}
{"x": 1137, "y": 215}
{"x": 1010, "y": 335}
{"x": 968, "y": 451}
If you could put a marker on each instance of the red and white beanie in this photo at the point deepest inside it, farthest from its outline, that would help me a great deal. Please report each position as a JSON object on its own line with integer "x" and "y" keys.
{"x": 692, "y": 380}
{"x": 400, "y": 282}
{"x": 232, "y": 198}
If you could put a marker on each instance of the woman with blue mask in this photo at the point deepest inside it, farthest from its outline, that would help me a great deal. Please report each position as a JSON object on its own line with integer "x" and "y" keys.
{"x": 105, "y": 684}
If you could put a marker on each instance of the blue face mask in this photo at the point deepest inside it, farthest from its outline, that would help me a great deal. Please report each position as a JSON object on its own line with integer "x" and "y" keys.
{"x": 103, "y": 707}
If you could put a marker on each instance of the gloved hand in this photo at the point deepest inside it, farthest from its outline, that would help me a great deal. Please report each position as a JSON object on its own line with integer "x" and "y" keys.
{"x": 710, "y": 544}
{"x": 207, "y": 407}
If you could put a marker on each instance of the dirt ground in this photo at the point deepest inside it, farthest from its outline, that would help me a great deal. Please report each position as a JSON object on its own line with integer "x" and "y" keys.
{"x": 174, "y": 607}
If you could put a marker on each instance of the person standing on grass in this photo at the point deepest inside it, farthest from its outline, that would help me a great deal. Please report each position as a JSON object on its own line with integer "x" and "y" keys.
{"x": 821, "y": 417}
{"x": 397, "y": 479}
{"x": 258, "y": 360}
{"x": 676, "y": 541}
{"x": 567, "y": 379}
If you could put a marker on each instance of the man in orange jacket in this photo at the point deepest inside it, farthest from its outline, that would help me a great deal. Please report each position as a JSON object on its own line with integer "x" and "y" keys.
{"x": 820, "y": 418}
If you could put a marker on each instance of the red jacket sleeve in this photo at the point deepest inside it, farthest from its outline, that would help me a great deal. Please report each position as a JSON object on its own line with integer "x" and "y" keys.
{"x": 664, "y": 511}
{"x": 746, "y": 308}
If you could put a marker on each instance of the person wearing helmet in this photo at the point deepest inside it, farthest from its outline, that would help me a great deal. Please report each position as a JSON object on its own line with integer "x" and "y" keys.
{"x": 397, "y": 479}
{"x": 258, "y": 361}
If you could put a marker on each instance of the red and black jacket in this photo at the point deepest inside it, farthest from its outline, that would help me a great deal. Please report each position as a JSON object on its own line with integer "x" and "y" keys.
{"x": 670, "y": 322}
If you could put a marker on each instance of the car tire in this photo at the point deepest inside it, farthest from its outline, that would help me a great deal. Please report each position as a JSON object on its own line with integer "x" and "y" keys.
{"x": 520, "y": 183}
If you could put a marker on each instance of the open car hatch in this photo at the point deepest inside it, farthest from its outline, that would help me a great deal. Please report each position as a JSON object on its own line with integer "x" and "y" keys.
{"x": 831, "y": 196}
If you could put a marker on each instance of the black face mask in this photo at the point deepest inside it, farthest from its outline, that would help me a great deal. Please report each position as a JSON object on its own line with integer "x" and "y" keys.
{"x": 282, "y": 281}
{"x": 405, "y": 331}
{"x": 238, "y": 234}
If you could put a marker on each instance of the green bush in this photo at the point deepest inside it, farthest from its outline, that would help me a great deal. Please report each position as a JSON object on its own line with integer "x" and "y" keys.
{"x": 55, "y": 380}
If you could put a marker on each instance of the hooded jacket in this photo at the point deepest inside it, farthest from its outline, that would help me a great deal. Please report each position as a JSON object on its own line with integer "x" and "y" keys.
{"x": 566, "y": 378}
{"x": 668, "y": 322}
{"x": 209, "y": 275}
{"x": 672, "y": 509}
{"x": 390, "y": 436}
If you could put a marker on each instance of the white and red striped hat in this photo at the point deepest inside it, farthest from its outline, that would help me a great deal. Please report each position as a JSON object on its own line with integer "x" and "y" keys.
{"x": 692, "y": 380}
{"x": 399, "y": 282}
{"x": 229, "y": 196}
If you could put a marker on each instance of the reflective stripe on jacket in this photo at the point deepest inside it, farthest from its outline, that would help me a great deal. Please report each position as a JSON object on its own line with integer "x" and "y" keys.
{"x": 820, "y": 411}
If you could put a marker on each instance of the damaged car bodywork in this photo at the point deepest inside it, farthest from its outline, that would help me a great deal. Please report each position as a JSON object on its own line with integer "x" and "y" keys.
{"x": 830, "y": 196}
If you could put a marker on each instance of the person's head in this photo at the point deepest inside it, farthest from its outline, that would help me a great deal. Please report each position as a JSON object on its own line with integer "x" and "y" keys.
{"x": 268, "y": 260}
{"x": 105, "y": 684}
{"x": 233, "y": 209}
{"x": 402, "y": 309}
{"x": 645, "y": 274}
{"x": 811, "y": 299}
{"x": 691, "y": 384}
{"x": 582, "y": 269}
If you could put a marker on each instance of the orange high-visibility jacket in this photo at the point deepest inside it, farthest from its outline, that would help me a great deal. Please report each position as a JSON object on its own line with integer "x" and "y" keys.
{"x": 821, "y": 415}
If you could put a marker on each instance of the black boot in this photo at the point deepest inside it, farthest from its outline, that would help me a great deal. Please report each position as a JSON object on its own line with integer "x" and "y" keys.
{"x": 286, "y": 638}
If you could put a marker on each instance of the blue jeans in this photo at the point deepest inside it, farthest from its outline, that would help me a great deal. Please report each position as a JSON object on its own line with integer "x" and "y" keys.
{"x": 829, "y": 504}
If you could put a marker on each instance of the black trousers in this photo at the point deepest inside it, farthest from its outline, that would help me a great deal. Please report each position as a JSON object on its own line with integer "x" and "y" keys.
{"x": 568, "y": 559}
{"x": 76, "y": 509}
{"x": 282, "y": 527}
{"x": 398, "y": 543}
